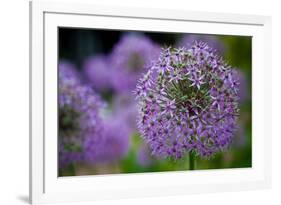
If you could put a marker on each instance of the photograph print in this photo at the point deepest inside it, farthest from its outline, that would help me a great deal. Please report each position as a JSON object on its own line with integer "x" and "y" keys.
{"x": 143, "y": 101}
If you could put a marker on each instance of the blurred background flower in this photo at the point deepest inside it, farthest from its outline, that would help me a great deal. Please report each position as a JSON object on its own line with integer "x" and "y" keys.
{"x": 98, "y": 72}
{"x": 243, "y": 87}
{"x": 144, "y": 156}
{"x": 117, "y": 137}
{"x": 124, "y": 105}
{"x": 130, "y": 58}
{"x": 79, "y": 120}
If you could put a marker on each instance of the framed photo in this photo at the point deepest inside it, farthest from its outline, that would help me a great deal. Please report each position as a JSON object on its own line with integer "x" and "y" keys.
{"x": 129, "y": 102}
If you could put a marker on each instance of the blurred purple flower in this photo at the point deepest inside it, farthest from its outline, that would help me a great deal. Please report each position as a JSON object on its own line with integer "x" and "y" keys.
{"x": 144, "y": 157}
{"x": 243, "y": 87}
{"x": 125, "y": 107}
{"x": 130, "y": 58}
{"x": 98, "y": 72}
{"x": 114, "y": 144}
{"x": 79, "y": 120}
{"x": 213, "y": 42}
{"x": 241, "y": 138}
{"x": 186, "y": 114}
{"x": 68, "y": 72}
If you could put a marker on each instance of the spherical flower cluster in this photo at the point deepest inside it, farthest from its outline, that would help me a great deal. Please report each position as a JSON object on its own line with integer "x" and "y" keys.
{"x": 79, "y": 120}
{"x": 190, "y": 104}
{"x": 129, "y": 59}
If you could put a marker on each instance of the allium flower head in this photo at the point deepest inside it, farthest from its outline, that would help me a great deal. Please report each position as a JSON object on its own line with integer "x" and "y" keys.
{"x": 130, "y": 58}
{"x": 79, "y": 121}
{"x": 190, "y": 105}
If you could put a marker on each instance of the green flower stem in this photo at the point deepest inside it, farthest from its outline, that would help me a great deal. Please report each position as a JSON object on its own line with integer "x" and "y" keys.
{"x": 191, "y": 161}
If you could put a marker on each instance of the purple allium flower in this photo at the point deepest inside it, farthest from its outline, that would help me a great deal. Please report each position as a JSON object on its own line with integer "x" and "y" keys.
{"x": 79, "y": 121}
{"x": 130, "y": 58}
{"x": 98, "y": 72}
{"x": 188, "y": 39}
{"x": 114, "y": 143}
{"x": 190, "y": 107}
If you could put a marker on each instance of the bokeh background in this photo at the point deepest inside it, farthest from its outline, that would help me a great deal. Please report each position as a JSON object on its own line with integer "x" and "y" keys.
{"x": 110, "y": 62}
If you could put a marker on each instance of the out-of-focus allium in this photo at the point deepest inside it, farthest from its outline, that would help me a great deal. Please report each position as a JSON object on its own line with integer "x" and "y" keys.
{"x": 191, "y": 105}
{"x": 241, "y": 137}
{"x": 243, "y": 88}
{"x": 114, "y": 143}
{"x": 98, "y": 72}
{"x": 79, "y": 121}
{"x": 125, "y": 107}
{"x": 144, "y": 157}
{"x": 188, "y": 39}
{"x": 68, "y": 72}
{"x": 130, "y": 58}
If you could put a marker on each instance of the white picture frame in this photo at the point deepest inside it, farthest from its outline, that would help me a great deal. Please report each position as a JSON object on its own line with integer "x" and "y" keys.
{"x": 46, "y": 186}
